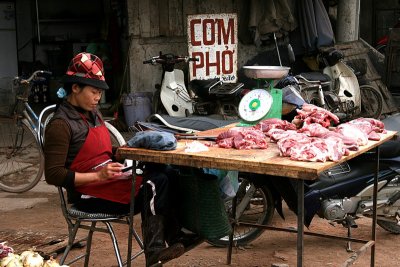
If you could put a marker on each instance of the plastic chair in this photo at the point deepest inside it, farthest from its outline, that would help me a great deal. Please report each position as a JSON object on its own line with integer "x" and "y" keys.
{"x": 77, "y": 219}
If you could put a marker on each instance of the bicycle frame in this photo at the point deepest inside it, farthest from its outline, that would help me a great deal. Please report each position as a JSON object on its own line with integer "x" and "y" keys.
{"x": 21, "y": 157}
{"x": 31, "y": 116}
{"x": 26, "y": 111}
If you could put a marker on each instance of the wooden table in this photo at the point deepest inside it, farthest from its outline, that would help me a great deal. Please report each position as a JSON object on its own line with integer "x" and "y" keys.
{"x": 262, "y": 161}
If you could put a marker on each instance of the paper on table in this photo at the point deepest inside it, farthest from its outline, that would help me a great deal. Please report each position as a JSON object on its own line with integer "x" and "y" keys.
{"x": 195, "y": 146}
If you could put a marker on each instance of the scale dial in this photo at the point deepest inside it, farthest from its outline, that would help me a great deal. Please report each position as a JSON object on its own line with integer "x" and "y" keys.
{"x": 255, "y": 105}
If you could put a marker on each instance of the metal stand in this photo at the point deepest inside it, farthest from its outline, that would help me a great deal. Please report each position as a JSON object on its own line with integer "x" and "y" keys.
{"x": 131, "y": 214}
{"x": 300, "y": 226}
{"x": 234, "y": 222}
{"x": 300, "y": 222}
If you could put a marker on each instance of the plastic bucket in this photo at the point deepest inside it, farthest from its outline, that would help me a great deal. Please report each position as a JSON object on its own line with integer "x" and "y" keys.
{"x": 137, "y": 107}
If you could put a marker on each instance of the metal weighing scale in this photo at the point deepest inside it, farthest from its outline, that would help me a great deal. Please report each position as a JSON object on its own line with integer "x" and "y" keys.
{"x": 261, "y": 103}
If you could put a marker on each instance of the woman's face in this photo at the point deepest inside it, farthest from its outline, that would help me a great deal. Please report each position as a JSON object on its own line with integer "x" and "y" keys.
{"x": 86, "y": 97}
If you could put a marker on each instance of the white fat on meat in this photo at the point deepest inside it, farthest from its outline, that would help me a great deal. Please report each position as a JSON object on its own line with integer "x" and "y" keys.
{"x": 314, "y": 129}
{"x": 352, "y": 131}
{"x": 276, "y": 134}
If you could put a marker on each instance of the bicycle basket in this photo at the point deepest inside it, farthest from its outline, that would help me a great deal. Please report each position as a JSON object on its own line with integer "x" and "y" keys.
{"x": 7, "y": 96}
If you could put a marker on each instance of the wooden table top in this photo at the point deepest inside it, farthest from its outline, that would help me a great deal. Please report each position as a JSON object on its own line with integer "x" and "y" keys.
{"x": 262, "y": 161}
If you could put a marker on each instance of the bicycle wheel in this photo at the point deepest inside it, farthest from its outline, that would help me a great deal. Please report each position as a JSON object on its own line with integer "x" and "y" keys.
{"x": 371, "y": 102}
{"x": 259, "y": 210}
{"x": 21, "y": 157}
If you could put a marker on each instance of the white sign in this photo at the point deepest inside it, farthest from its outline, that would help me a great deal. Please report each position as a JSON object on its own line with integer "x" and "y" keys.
{"x": 212, "y": 38}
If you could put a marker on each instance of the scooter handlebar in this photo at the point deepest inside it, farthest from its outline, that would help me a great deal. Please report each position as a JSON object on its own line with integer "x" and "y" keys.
{"x": 193, "y": 59}
{"x": 153, "y": 60}
{"x": 170, "y": 59}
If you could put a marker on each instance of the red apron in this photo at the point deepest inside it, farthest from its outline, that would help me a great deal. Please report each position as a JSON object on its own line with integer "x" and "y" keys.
{"x": 96, "y": 150}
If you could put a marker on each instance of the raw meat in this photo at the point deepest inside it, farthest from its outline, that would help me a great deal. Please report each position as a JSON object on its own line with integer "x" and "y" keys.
{"x": 312, "y": 114}
{"x": 277, "y": 134}
{"x": 301, "y": 147}
{"x": 314, "y": 129}
{"x": 274, "y": 123}
{"x": 362, "y": 129}
{"x": 292, "y": 142}
{"x": 349, "y": 130}
{"x": 242, "y": 138}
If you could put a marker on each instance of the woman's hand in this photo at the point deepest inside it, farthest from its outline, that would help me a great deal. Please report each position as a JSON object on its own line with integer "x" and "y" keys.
{"x": 110, "y": 171}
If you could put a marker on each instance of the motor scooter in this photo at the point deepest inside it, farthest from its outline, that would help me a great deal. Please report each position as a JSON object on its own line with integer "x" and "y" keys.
{"x": 172, "y": 92}
{"x": 337, "y": 88}
{"x": 202, "y": 97}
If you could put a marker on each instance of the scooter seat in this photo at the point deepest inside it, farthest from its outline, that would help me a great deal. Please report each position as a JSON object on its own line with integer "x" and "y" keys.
{"x": 202, "y": 87}
{"x": 225, "y": 88}
{"x": 315, "y": 77}
{"x": 190, "y": 124}
{"x": 357, "y": 168}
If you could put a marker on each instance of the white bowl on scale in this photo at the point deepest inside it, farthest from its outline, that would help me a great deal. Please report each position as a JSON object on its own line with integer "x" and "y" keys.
{"x": 266, "y": 72}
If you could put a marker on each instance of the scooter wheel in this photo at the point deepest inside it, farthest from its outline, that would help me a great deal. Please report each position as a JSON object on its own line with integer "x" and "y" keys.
{"x": 371, "y": 102}
{"x": 391, "y": 227}
{"x": 259, "y": 209}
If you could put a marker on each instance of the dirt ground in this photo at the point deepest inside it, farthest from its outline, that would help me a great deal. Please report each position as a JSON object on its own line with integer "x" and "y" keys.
{"x": 42, "y": 221}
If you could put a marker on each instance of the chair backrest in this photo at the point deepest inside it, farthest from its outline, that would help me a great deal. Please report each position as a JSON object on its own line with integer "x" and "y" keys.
{"x": 44, "y": 118}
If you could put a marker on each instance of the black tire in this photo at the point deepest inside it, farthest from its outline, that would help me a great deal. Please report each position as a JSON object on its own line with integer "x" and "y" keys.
{"x": 21, "y": 157}
{"x": 391, "y": 227}
{"x": 371, "y": 102}
{"x": 260, "y": 211}
{"x": 316, "y": 100}
{"x": 312, "y": 97}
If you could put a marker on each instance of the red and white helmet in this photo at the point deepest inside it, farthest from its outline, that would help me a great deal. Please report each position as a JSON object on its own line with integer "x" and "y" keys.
{"x": 86, "y": 68}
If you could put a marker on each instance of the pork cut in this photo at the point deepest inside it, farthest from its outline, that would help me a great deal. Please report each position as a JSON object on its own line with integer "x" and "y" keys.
{"x": 274, "y": 123}
{"x": 312, "y": 114}
{"x": 304, "y": 148}
{"x": 242, "y": 138}
{"x": 314, "y": 129}
{"x": 276, "y": 134}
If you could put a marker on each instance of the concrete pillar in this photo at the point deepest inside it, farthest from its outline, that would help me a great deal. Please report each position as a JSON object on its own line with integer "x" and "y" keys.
{"x": 347, "y": 24}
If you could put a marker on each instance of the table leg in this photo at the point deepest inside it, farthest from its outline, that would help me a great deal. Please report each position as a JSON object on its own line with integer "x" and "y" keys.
{"x": 374, "y": 214}
{"x": 229, "y": 257}
{"x": 131, "y": 214}
{"x": 300, "y": 222}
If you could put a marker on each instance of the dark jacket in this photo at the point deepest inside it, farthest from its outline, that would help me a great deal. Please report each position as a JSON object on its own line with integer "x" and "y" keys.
{"x": 64, "y": 137}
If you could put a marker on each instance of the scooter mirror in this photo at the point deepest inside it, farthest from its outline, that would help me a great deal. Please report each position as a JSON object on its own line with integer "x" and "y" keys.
{"x": 292, "y": 58}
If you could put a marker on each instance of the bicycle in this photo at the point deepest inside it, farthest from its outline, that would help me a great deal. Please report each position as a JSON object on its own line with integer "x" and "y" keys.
{"x": 21, "y": 155}
{"x": 21, "y": 158}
